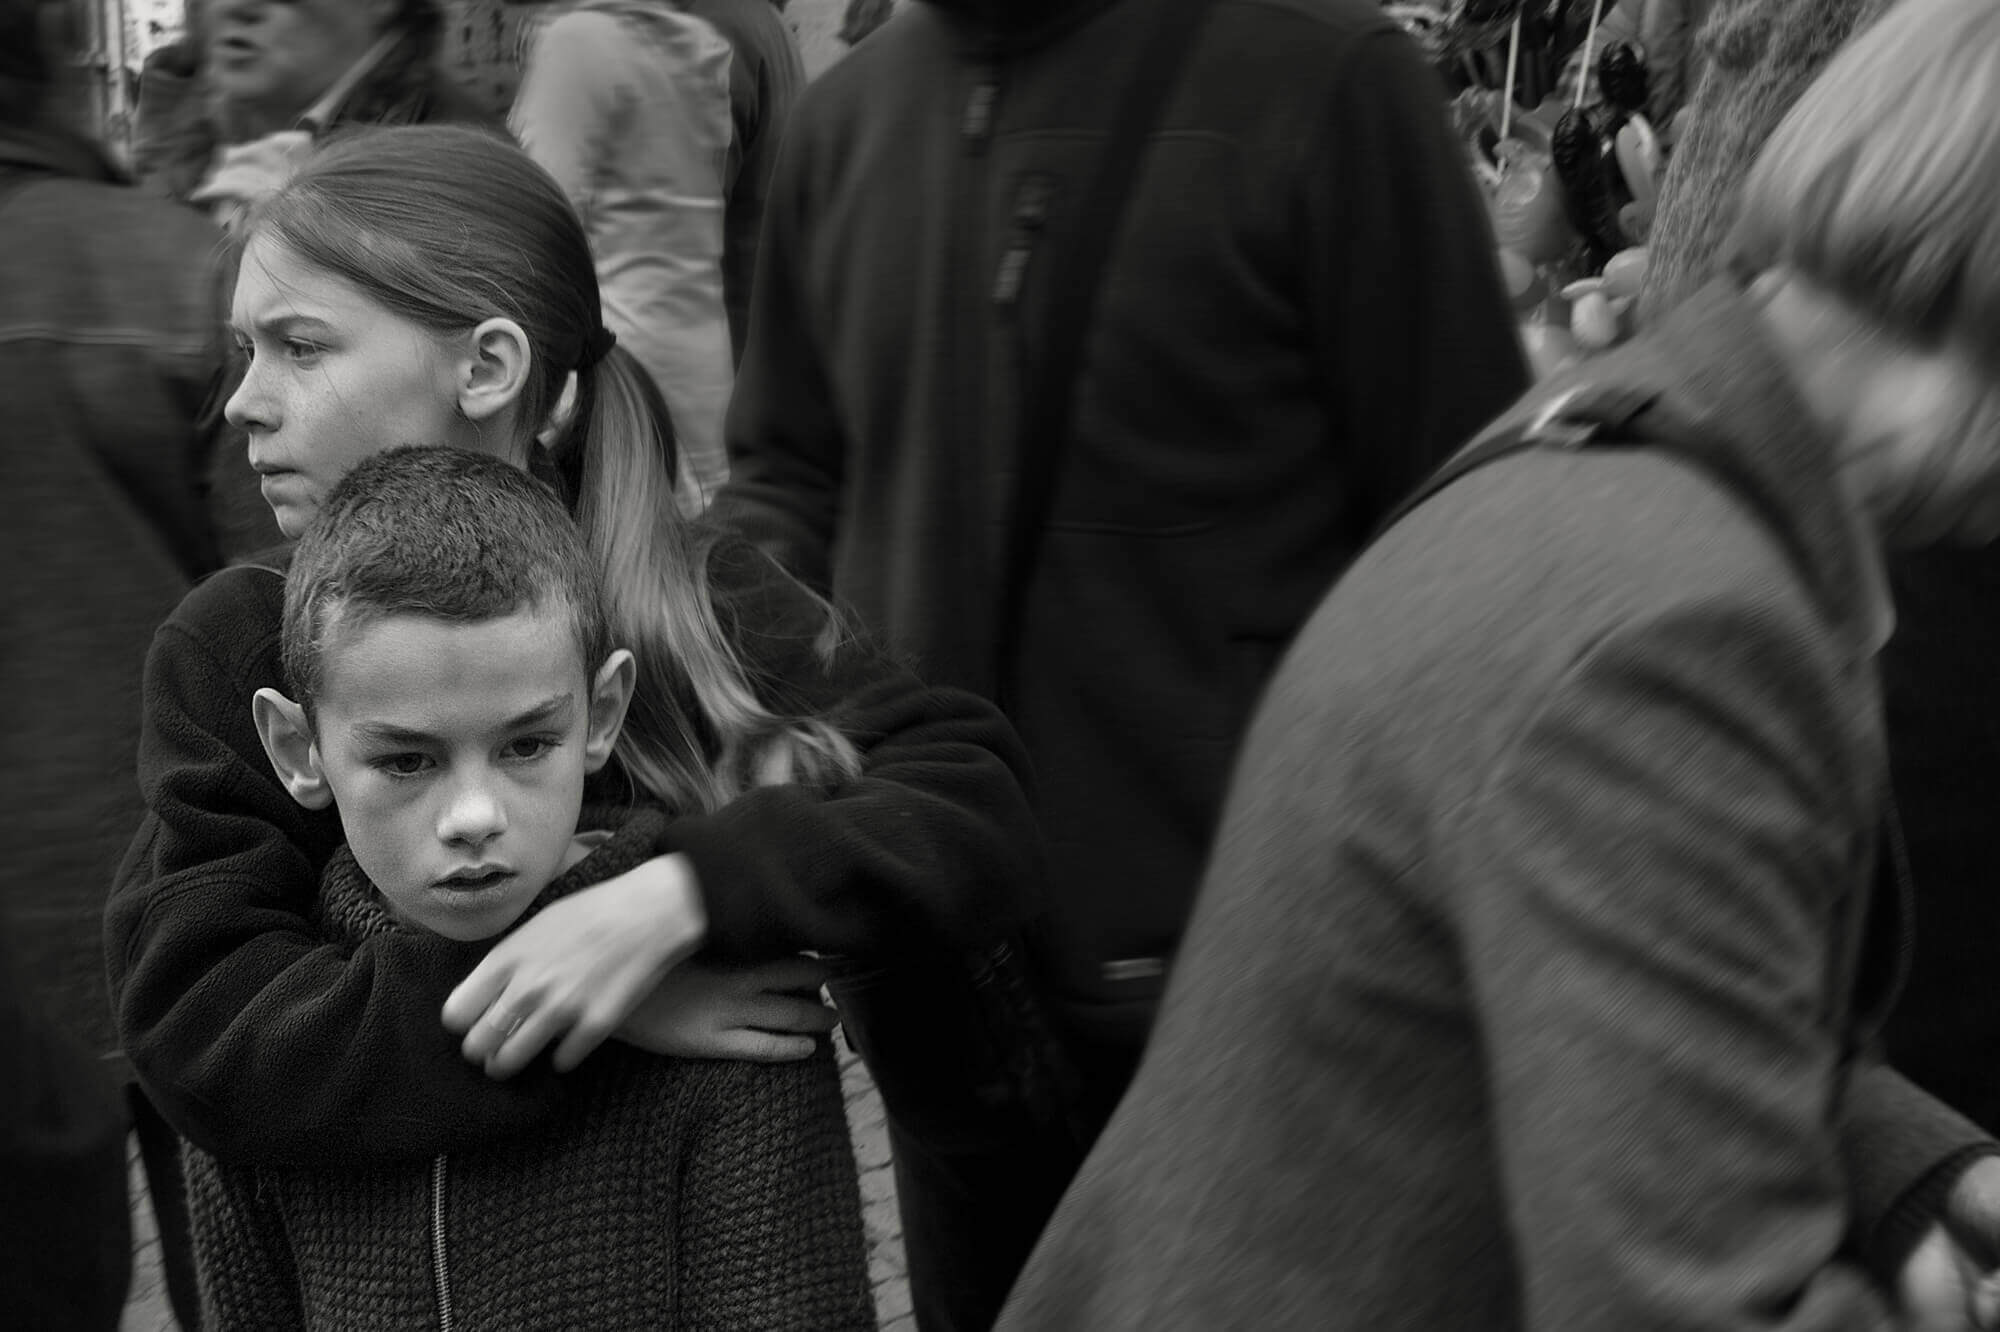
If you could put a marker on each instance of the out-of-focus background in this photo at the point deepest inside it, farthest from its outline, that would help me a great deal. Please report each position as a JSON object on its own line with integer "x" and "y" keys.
{"x": 481, "y": 41}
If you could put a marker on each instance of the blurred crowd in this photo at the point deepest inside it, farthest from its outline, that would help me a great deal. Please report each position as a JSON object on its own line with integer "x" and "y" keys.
{"x": 1058, "y": 545}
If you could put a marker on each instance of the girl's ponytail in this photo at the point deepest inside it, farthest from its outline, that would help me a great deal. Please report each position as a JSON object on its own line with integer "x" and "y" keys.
{"x": 696, "y": 734}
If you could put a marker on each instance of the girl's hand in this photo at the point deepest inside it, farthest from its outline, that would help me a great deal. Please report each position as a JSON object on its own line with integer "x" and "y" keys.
{"x": 579, "y": 968}
{"x": 769, "y": 1013}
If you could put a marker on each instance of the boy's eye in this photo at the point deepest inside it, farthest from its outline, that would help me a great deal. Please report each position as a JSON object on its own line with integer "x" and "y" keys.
{"x": 403, "y": 765}
{"x": 529, "y": 747}
{"x": 295, "y": 350}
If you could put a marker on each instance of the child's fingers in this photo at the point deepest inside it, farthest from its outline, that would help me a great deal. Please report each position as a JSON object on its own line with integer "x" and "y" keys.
{"x": 579, "y": 1041}
{"x": 790, "y": 1013}
{"x": 764, "y": 1047}
{"x": 475, "y": 995}
{"x": 520, "y": 1039}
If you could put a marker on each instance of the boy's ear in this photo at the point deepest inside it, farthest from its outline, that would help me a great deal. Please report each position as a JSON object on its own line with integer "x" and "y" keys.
{"x": 288, "y": 741}
{"x": 610, "y": 695}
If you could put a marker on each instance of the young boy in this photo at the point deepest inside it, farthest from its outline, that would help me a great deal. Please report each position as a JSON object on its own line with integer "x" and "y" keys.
{"x": 452, "y": 688}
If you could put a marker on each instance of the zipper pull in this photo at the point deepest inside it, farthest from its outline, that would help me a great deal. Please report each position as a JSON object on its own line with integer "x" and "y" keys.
{"x": 977, "y": 125}
{"x": 1031, "y": 213}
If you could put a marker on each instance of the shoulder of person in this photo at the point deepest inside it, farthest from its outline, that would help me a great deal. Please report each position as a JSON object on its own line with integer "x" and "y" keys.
{"x": 236, "y": 612}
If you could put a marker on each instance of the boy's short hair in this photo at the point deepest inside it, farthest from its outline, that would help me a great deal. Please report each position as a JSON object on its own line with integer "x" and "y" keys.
{"x": 445, "y": 533}
{"x": 1882, "y": 185}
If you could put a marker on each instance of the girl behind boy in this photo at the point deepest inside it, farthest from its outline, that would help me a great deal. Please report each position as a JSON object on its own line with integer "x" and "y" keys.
{"x": 452, "y": 687}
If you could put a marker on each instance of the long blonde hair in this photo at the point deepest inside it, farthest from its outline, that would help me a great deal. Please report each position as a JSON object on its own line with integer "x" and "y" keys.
{"x": 447, "y": 226}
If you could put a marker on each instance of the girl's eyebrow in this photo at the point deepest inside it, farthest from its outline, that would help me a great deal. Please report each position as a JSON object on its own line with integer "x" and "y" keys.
{"x": 281, "y": 324}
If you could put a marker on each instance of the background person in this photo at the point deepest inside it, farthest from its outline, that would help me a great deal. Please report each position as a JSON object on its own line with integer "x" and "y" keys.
{"x": 1530, "y": 984}
{"x": 661, "y": 121}
{"x": 111, "y": 362}
{"x": 1299, "y": 318}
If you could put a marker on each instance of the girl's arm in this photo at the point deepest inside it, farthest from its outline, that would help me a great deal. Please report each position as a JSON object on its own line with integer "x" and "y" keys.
{"x": 932, "y": 845}
{"x": 260, "y": 1041}
{"x": 257, "y": 1040}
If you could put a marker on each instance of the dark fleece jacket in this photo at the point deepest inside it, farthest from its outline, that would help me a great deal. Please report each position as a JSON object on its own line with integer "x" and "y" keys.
{"x": 1300, "y": 318}
{"x": 669, "y": 1193}
{"x": 211, "y": 949}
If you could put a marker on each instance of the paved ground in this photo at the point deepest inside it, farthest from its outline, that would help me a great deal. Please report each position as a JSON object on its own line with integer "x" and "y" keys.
{"x": 146, "y": 1308}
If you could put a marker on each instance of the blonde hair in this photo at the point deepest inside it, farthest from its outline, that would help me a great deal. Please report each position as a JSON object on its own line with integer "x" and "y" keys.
{"x": 447, "y": 226}
{"x": 1882, "y": 185}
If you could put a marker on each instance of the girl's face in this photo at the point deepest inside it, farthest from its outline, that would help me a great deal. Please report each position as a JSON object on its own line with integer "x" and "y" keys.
{"x": 334, "y": 377}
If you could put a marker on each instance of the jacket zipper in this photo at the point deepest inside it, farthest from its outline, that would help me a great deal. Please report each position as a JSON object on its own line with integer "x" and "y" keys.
{"x": 966, "y": 387}
{"x": 439, "y": 1271}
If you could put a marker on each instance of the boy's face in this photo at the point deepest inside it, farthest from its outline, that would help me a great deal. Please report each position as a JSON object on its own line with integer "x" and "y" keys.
{"x": 456, "y": 754}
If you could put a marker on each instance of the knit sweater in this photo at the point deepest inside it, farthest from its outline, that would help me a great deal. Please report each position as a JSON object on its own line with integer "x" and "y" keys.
{"x": 211, "y": 949}
{"x": 669, "y": 1193}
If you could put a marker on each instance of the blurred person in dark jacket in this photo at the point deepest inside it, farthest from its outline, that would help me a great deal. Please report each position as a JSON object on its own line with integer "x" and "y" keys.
{"x": 111, "y": 358}
{"x": 1299, "y": 319}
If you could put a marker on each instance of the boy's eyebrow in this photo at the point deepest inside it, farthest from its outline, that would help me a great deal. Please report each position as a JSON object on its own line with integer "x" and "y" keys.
{"x": 278, "y": 325}
{"x": 547, "y": 710}
{"x": 387, "y": 733}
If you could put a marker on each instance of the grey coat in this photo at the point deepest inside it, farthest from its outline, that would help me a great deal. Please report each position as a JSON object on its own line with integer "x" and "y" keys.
{"x": 1522, "y": 988}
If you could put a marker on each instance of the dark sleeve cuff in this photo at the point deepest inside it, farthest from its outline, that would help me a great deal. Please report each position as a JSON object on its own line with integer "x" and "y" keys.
{"x": 1895, "y": 1237}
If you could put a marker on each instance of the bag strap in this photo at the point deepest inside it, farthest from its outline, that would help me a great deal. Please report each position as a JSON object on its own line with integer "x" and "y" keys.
{"x": 1075, "y": 283}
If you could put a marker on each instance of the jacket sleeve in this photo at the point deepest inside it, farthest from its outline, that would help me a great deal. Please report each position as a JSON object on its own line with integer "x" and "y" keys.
{"x": 1904, "y": 1150}
{"x": 257, "y": 1040}
{"x": 934, "y": 839}
{"x": 787, "y": 455}
{"x": 769, "y": 1211}
{"x": 1655, "y": 896}
{"x": 1415, "y": 343}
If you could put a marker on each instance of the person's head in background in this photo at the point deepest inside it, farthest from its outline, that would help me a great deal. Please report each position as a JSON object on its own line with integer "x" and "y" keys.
{"x": 1871, "y": 224}
{"x": 270, "y": 61}
{"x": 431, "y": 285}
{"x": 452, "y": 684}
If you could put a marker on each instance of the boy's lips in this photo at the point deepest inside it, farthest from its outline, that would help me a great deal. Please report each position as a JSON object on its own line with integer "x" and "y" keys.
{"x": 475, "y": 877}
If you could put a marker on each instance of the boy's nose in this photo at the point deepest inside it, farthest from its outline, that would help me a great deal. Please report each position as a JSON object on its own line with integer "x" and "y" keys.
{"x": 472, "y": 817}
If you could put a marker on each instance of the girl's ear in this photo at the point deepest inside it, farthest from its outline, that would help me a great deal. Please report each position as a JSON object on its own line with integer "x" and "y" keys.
{"x": 494, "y": 370}
{"x": 610, "y": 695}
{"x": 288, "y": 740}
